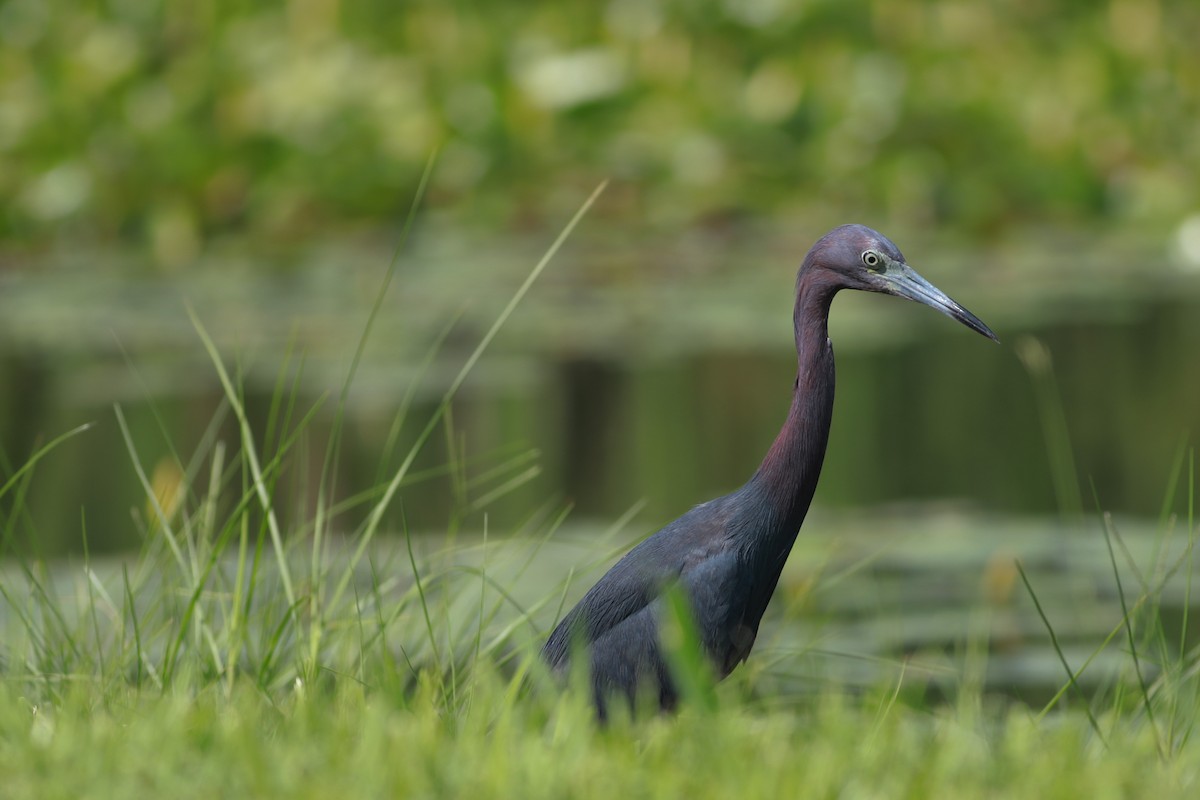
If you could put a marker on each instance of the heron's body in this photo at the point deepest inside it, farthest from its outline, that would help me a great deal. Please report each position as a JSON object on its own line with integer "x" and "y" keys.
{"x": 727, "y": 554}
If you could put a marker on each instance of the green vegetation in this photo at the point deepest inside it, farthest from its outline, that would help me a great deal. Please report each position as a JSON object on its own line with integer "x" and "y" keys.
{"x": 237, "y": 656}
{"x": 180, "y": 125}
{"x": 366, "y": 743}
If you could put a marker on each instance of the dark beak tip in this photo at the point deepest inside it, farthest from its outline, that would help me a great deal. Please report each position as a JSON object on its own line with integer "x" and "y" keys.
{"x": 909, "y": 284}
{"x": 986, "y": 331}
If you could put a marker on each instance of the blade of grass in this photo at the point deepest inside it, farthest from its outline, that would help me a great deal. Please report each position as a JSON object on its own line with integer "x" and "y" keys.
{"x": 513, "y": 483}
{"x": 329, "y": 464}
{"x": 1166, "y": 519}
{"x": 1087, "y": 708}
{"x": 20, "y": 511}
{"x": 1191, "y": 528}
{"x": 193, "y": 608}
{"x": 251, "y": 454}
{"x": 91, "y": 606}
{"x": 410, "y": 394}
{"x": 483, "y": 584}
{"x": 41, "y": 453}
{"x": 1036, "y": 358}
{"x": 137, "y": 634}
{"x": 380, "y": 509}
{"x": 1112, "y": 634}
{"x": 420, "y": 586}
{"x": 1133, "y": 648}
{"x": 151, "y": 496}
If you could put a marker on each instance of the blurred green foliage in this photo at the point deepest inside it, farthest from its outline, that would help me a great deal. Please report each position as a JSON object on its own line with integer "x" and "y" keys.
{"x": 172, "y": 124}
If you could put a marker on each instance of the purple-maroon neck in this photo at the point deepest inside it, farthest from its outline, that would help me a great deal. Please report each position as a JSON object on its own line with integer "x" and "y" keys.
{"x": 788, "y": 474}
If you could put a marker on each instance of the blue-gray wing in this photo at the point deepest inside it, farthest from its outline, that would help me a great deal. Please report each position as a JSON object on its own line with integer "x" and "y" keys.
{"x": 617, "y": 618}
{"x": 718, "y": 604}
{"x": 626, "y": 589}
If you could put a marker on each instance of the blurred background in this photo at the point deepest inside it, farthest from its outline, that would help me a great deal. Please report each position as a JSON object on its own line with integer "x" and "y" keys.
{"x": 256, "y": 160}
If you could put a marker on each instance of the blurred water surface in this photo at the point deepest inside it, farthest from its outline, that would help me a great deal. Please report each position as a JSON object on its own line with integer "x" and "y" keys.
{"x": 637, "y": 370}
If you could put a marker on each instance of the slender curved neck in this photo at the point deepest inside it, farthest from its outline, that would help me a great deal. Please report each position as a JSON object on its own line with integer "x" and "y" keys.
{"x": 789, "y": 472}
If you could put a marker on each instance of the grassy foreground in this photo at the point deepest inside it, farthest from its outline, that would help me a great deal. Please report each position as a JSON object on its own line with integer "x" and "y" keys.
{"x": 265, "y": 643}
{"x": 356, "y": 742}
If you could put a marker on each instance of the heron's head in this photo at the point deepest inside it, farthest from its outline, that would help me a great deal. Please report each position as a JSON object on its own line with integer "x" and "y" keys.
{"x": 865, "y": 259}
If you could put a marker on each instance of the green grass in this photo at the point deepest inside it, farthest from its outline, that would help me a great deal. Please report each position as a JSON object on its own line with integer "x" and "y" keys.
{"x": 355, "y": 741}
{"x": 254, "y": 649}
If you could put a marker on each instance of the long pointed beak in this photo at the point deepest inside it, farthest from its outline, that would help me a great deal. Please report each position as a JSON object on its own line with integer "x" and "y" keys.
{"x": 904, "y": 281}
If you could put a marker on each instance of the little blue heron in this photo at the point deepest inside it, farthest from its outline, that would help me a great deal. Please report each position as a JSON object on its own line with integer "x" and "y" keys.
{"x": 727, "y": 554}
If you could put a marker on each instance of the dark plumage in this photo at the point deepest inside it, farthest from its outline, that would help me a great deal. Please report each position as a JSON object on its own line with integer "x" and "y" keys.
{"x": 727, "y": 554}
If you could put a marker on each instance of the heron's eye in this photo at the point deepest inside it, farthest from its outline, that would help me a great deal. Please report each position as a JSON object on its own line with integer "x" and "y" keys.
{"x": 872, "y": 259}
